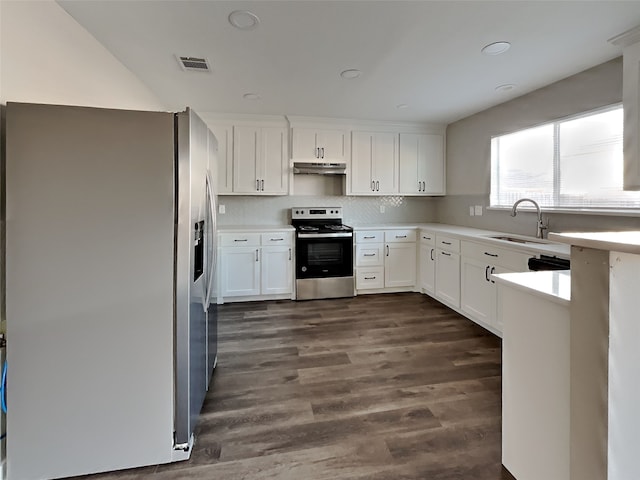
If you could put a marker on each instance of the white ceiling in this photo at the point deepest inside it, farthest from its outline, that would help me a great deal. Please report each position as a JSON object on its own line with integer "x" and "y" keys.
{"x": 425, "y": 54}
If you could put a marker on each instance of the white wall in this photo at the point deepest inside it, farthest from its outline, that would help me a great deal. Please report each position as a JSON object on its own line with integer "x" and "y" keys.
{"x": 469, "y": 159}
{"x": 46, "y": 57}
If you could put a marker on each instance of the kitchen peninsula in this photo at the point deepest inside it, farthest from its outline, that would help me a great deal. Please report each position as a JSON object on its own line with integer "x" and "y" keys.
{"x": 604, "y": 358}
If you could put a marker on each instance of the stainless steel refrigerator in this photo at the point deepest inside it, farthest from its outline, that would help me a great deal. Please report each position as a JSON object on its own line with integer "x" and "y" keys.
{"x": 110, "y": 263}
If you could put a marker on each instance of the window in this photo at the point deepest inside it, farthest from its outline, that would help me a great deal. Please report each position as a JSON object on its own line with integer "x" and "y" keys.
{"x": 572, "y": 163}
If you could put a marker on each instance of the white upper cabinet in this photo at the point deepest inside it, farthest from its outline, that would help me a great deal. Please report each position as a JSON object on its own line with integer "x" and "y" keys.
{"x": 224, "y": 167}
{"x": 374, "y": 163}
{"x": 316, "y": 145}
{"x": 260, "y": 160}
{"x": 422, "y": 164}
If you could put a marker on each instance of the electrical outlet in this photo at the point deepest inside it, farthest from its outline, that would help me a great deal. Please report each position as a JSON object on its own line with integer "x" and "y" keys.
{"x": 381, "y": 208}
{"x": 478, "y": 210}
{"x": 472, "y": 211}
{"x": 221, "y": 209}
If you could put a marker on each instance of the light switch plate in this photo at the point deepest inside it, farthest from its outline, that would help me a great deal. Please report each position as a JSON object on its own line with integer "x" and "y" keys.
{"x": 478, "y": 210}
{"x": 221, "y": 209}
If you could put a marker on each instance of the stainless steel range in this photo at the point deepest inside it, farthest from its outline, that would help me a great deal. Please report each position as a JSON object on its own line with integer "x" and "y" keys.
{"x": 324, "y": 253}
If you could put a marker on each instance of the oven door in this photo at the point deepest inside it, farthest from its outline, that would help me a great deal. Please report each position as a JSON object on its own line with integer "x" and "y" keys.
{"x": 322, "y": 255}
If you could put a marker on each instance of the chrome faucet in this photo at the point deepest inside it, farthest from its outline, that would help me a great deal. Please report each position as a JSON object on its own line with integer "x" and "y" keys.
{"x": 541, "y": 226}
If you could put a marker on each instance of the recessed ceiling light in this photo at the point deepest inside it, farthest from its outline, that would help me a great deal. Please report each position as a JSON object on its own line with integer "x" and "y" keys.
{"x": 507, "y": 87}
{"x": 251, "y": 96}
{"x": 243, "y": 19}
{"x": 496, "y": 48}
{"x": 351, "y": 73}
{"x": 402, "y": 106}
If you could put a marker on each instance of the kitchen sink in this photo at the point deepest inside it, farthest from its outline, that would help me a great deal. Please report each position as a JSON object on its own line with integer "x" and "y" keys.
{"x": 516, "y": 239}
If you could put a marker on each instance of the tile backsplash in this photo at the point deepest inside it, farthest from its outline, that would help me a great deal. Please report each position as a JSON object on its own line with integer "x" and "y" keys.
{"x": 254, "y": 210}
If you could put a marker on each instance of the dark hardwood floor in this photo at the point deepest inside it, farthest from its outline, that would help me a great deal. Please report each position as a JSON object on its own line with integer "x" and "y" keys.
{"x": 376, "y": 387}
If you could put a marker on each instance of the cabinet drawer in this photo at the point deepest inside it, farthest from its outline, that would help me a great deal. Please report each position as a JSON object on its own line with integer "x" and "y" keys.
{"x": 427, "y": 237}
{"x": 405, "y": 235}
{"x": 369, "y": 254}
{"x": 369, "y": 277}
{"x": 276, "y": 238}
{"x": 449, "y": 244}
{"x": 240, "y": 239}
{"x": 504, "y": 257}
{"x": 369, "y": 237}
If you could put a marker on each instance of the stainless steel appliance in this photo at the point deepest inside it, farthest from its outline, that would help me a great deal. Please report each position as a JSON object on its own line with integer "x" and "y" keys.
{"x": 324, "y": 253}
{"x": 110, "y": 260}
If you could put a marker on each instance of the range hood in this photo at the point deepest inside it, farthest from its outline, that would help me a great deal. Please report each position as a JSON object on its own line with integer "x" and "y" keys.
{"x": 319, "y": 168}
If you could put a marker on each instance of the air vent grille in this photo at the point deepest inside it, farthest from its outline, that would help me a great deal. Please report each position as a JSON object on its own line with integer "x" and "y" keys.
{"x": 194, "y": 64}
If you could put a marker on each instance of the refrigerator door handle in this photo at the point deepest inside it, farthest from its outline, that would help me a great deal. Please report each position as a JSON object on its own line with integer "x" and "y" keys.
{"x": 212, "y": 261}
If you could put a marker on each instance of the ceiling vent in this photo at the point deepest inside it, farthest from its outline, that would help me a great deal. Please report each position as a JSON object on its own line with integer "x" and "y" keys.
{"x": 194, "y": 64}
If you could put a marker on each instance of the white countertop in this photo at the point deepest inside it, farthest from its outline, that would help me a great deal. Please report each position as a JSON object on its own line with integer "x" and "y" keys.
{"x": 254, "y": 228}
{"x": 627, "y": 242}
{"x": 551, "y": 285}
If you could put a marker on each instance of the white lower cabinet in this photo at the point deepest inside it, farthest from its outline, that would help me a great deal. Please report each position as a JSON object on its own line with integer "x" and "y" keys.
{"x": 427, "y": 262}
{"x": 448, "y": 270}
{"x": 255, "y": 266}
{"x": 478, "y": 290}
{"x": 240, "y": 271}
{"x": 386, "y": 260}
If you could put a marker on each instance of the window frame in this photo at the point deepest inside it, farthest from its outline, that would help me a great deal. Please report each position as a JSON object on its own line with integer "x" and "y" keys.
{"x": 556, "y": 123}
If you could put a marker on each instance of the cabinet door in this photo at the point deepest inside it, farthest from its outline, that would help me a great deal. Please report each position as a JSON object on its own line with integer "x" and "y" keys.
{"x": 245, "y": 159}
{"x": 272, "y": 171}
{"x": 478, "y": 293}
{"x": 448, "y": 277}
{"x": 362, "y": 163}
{"x": 332, "y": 145}
{"x": 431, "y": 164}
{"x": 400, "y": 264}
{"x": 304, "y": 144}
{"x": 427, "y": 268}
{"x": 240, "y": 271}
{"x": 224, "y": 166}
{"x": 385, "y": 163}
{"x": 421, "y": 164}
{"x": 277, "y": 270}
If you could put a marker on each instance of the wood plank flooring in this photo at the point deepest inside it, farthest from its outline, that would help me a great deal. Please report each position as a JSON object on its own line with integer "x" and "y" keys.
{"x": 376, "y": 387}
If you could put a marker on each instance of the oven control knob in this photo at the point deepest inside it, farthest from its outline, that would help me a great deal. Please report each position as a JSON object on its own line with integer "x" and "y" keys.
{"x": 304, "y": 269}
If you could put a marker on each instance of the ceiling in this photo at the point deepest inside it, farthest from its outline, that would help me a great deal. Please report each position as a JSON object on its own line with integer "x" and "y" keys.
{"x": 423, "y": 54}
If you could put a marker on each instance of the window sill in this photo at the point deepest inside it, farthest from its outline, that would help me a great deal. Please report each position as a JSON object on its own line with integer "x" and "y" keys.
{"x": 610, "y": 212}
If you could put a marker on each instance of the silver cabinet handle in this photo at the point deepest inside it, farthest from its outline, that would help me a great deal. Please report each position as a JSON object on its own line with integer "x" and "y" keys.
{"x": 262, "y": 185}
{"x": 486, "y": 272}
{"x": 446, "y": 243}
{"x": 401, "y": 236}
{"x": 426, "y": 238}
{"x": 491, "y": 254}
{"x": 377, "y": 185}
{"x": 369, "y": 237}
{"x": 257, "y": 255}
{"x": 424, "y": 186}
{"x": 419, "y": 186}
{"x": 373, "y": 185}
{"x": 257, "y": 185}
{"x": 369, "y": 255}
{"x": 322, "y": 153}
{"x": 240, "y": 240}
{"x": 493, "y": 270}
{"x": 289, "y": 254}
{"x": 431, "y": 255}
{"x": 387, "y": 250}
{"x": 445, "y": 253}
{"x": 317, "y": 152}
{"x": 276, "y": 239}
{"x": 369, "y": 278}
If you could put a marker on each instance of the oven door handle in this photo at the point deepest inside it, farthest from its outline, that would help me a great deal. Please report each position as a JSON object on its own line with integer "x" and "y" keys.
{"x": 326, "y": 235}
